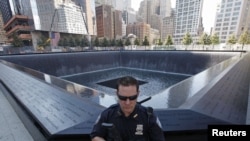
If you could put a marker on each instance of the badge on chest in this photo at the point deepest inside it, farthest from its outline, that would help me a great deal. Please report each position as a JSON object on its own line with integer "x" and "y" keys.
{"x": 139, "y": 129}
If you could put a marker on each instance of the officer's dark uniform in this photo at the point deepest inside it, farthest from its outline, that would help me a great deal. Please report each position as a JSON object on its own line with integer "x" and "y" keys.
{"x": 141, "y": 125}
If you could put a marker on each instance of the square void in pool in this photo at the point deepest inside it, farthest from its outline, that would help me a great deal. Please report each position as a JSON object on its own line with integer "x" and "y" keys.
{"x": 112, "y": 83}
{"x": 151, "y": 82}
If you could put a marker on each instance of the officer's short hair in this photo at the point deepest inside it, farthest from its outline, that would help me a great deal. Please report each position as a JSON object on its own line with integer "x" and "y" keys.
{"x": 127, "y": 81}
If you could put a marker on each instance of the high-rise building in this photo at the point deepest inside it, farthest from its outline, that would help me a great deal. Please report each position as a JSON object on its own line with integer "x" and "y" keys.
{"x": 3, "y": 39}
{"x": 153, "y": 11}
{"x": 188, "y": 19}
{"x": 129, "y": 16}
{"x": 109, "y": 22}
{"x": 14, "y": 21}
{"x": 33, "y": 19}
{"x": 117, "y": 24}
{"x": 140, "y": 29}
{"x": 104, "y": 21}
{"x": 232, "y": 17}
{"x": 168, "y": 27}
{"x": 91, "y": 16}
{"x": 6, "y": 10}
{"x": 116, "y": 4}
{"x": 165, "y": 8}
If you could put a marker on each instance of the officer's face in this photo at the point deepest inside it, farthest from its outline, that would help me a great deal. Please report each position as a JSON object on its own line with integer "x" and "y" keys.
{"x": 127, "y": 96}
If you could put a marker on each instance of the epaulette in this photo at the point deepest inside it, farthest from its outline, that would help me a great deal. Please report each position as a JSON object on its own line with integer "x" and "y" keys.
{"x": 149, "y": 111}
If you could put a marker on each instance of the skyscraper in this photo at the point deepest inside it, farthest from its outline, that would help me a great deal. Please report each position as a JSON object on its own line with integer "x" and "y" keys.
{"x": 6, "y": 10}
{"x": 109, "y": 22}
{"x": 14, "y": 21}
{"x": 188, "y": 19}
{"x": 39, "y": 18}
{"x": 3, "y": 38}
{"x": 232, "y": 17}
{"x": 165, "y": 8}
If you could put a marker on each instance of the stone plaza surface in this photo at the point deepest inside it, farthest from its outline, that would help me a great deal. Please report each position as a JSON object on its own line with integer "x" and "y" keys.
{"x": 191, "y": 104}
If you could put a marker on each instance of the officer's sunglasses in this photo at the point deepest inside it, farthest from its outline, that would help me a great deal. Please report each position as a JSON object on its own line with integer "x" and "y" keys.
{"x": 124, "y": 98}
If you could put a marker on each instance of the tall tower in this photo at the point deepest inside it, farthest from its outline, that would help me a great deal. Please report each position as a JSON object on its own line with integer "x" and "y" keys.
{"x": 15, "y": 21}
{"x": 165, "y": 8}
{"x": 104, "y": 21}
{"x": 232, "y": 17}
{"x": 7, "y": 11}
{"x": 188, "y": 19}
{"x": 3, "y": 38}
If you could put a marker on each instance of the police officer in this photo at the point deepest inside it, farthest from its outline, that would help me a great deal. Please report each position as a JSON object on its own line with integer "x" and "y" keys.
{"x": 133, "y": 121}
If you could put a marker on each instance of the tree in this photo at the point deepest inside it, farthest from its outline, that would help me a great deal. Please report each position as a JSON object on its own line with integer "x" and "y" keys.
{"x": 42, "y": 43}
{"x": 232, "y": 40}
{"x": 204, "y": 40}
{"x": 127, "y": 42}
{"x": 84, "y": 42}
{"x": 169, "y": 40}
{"x": 105, "y": 42}
{"x": 187, "y": 39}
{"x": 137, "y": 42}
{"x": 160, "y": 42}
{"x": 72, "y": 42}
{"x": 145, "y": 41}
{"x": 120, "y": 43}
{"x": 215, "y": 39}
{"x": 244, "y": 38}
{"x": 17, "y": 42}
{"x": 97, "y": 42}
{"x": 78, "y": 42}
{"x": 113, "y": 43}
{"x": 65, "y": 42}
{"x": 60, "y": 43}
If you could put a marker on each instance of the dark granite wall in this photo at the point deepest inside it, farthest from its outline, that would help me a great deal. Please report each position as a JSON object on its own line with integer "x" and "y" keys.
{"x": 61, "y": 64}
{"x": 174, "y": 61}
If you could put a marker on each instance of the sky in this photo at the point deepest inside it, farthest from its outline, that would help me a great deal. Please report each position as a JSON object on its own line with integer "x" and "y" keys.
{"x": 208, "y": 12}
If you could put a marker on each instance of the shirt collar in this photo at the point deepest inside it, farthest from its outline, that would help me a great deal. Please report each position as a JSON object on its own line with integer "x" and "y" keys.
{"x": 133, "y": 115}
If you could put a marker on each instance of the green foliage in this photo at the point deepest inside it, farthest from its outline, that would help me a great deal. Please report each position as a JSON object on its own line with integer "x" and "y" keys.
{"x": 60, "y": 43}
{"x": 205, "y": 39}
{"x": 120, "y": 43}
{"x": 145, "y": 41}
{"x": 105, "y": 42}
{"x": 137, "y": 42}
{"x": 96, "y": 42}
{"x": 232, "y": 40}
{"x": 84, "y": 42}
{"x": 215, "y": 39}
{"x": 43, "y": 42}
{"x": 72, "y": 42}
{"x": 127, "y": 42}
{"x": 160, "y": 42}
{"x": 65, "y": 42}
{"x": 244, "y": 38}
{"x": 113, "y": 43}
{"x": 77, "y": 42}
{"x": 17, "y": 42}
{"x": 169, "y": 40}
{"x": 187, "y": 39}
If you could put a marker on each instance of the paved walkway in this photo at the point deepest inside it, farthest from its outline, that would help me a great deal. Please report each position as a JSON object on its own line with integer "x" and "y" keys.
{"x": 11, "y": 127}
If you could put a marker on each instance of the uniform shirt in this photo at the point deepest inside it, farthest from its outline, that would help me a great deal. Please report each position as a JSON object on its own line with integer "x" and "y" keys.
{"x": 139, "y": 126}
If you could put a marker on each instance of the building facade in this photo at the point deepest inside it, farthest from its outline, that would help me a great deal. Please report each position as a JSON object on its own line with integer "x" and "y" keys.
{"x": 140, "y": 29}
{"x": 3, "y": 39}
{"x": 188, "y": 19}
{"x": 232, "y": 18}
{"x": 33, "y": 19}
{"x": 168, "y": 27}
